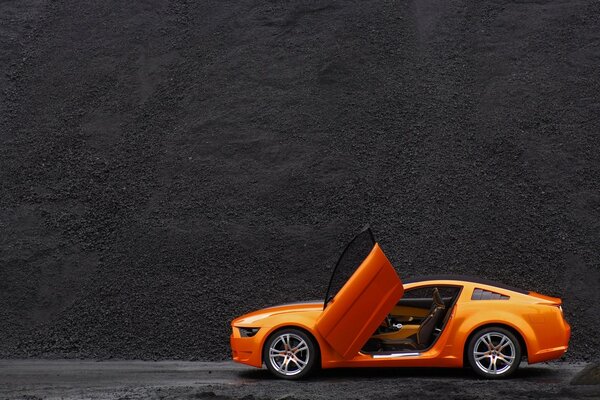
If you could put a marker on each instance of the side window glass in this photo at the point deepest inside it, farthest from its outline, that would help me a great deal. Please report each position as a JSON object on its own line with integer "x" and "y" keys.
{"x": 427, "y": 292}
{"x": 419, "y": 293}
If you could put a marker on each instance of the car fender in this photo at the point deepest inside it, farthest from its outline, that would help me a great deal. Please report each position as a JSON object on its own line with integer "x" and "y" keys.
{"x": 303, "y": 322}
{"x": 478, "y": 320}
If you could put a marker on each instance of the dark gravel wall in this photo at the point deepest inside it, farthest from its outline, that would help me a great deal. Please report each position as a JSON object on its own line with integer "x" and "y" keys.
{"x": 166, "y": 166}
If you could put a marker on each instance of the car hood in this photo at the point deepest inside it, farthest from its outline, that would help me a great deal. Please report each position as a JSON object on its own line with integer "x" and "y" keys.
{"x": 253, "y": 318}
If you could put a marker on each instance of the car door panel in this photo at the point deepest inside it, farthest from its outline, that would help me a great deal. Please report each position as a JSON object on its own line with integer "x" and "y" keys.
{"x": 361, "y": 304}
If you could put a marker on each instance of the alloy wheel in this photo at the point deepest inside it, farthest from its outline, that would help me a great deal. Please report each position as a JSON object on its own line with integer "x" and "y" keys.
{"x": 289, "y": 354}
{"x": 494, "y": 353}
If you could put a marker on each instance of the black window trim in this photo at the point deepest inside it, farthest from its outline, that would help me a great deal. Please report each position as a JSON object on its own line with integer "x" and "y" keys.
{"x": 465, "y": 278}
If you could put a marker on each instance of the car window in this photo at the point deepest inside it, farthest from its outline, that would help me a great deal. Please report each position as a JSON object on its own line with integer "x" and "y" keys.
{"x": 352, "y": 257}
{"x": 419, "y": 293}
{"x": 427, "y": 292}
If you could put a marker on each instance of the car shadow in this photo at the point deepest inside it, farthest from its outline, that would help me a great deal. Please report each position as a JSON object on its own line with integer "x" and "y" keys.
{"x": 541, "y": 374}
{"x": 525, "y": 372}
{"x": 367, "y": 373}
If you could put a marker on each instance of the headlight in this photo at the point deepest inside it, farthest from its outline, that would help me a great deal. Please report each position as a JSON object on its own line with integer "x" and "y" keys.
{"x": 248, "y": 332}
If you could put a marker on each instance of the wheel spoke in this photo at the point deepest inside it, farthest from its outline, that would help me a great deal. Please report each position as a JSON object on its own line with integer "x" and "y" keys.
{"x": 285, "y": 364}
{"x": 275, "y": 343}
{"x": 300, "y": 362}
{"x": 286, "y": 342}
{"x": 484, "y": 339}
{"x": 506, "y": 359}
{"x": 298, "y": 349}
{"x": 297, "y": 362}
{"x": 276, "y": 353}
{"x": 504, "y": 346}
{"x": 502, "y": 342}
{"x": 508, "y": 343}
{"x": 490, "y": 341}
{"x": 489, "y": 364}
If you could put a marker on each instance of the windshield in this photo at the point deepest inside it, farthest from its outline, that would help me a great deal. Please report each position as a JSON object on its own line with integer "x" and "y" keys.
{"x": 352, "y": 256}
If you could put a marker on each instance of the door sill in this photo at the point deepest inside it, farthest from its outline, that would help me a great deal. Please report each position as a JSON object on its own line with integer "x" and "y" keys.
{"x": 395, "y": 355}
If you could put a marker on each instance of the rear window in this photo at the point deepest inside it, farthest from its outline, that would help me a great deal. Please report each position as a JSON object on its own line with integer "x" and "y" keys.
{"x": 482, "y": 294}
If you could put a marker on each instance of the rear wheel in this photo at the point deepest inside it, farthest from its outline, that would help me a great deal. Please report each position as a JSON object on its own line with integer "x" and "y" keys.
{"x": 290, "y": 354}
{"x": 494, "y": 353}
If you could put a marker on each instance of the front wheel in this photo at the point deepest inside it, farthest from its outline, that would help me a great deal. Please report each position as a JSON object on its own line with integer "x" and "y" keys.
{"x": 494, "y": 353}
{"x": 290, "y": 354}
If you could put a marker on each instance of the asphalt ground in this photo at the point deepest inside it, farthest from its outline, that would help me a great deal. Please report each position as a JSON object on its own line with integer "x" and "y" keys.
{"x": 76, "y": 379}
{"x": 168, "y": 165}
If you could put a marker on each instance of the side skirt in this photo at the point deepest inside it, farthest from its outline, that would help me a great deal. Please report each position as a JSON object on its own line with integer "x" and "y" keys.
{"x": 395, "y": 355}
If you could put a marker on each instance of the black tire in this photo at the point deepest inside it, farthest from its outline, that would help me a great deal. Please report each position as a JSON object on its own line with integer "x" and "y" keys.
{"x": 498, "y": 361}
{"x": 284, "y": 362}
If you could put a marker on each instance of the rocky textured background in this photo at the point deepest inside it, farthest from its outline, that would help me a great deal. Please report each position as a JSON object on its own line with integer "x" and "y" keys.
{"x": 168, "y": 165}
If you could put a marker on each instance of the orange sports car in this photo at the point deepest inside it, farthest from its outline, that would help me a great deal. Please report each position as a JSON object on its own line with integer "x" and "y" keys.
{"x": 369, "y": 318}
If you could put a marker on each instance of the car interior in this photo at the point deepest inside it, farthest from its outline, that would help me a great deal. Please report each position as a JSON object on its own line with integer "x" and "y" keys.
{"x": 415, "y": 322}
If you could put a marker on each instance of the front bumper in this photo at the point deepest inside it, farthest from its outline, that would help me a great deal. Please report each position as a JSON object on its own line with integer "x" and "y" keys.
{"x": 246, "y": 350}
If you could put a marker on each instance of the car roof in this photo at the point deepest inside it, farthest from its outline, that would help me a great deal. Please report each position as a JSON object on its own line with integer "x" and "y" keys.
{"x": 463, "y": 278}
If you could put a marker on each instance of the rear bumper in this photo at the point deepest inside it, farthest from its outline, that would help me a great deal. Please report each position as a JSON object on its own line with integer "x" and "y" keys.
{"x": 553, "y": 353}
{"x": 548, "y": 354}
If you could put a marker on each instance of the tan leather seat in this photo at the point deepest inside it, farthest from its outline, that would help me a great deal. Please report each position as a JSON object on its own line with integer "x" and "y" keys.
{"x": 424, "y": 335}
